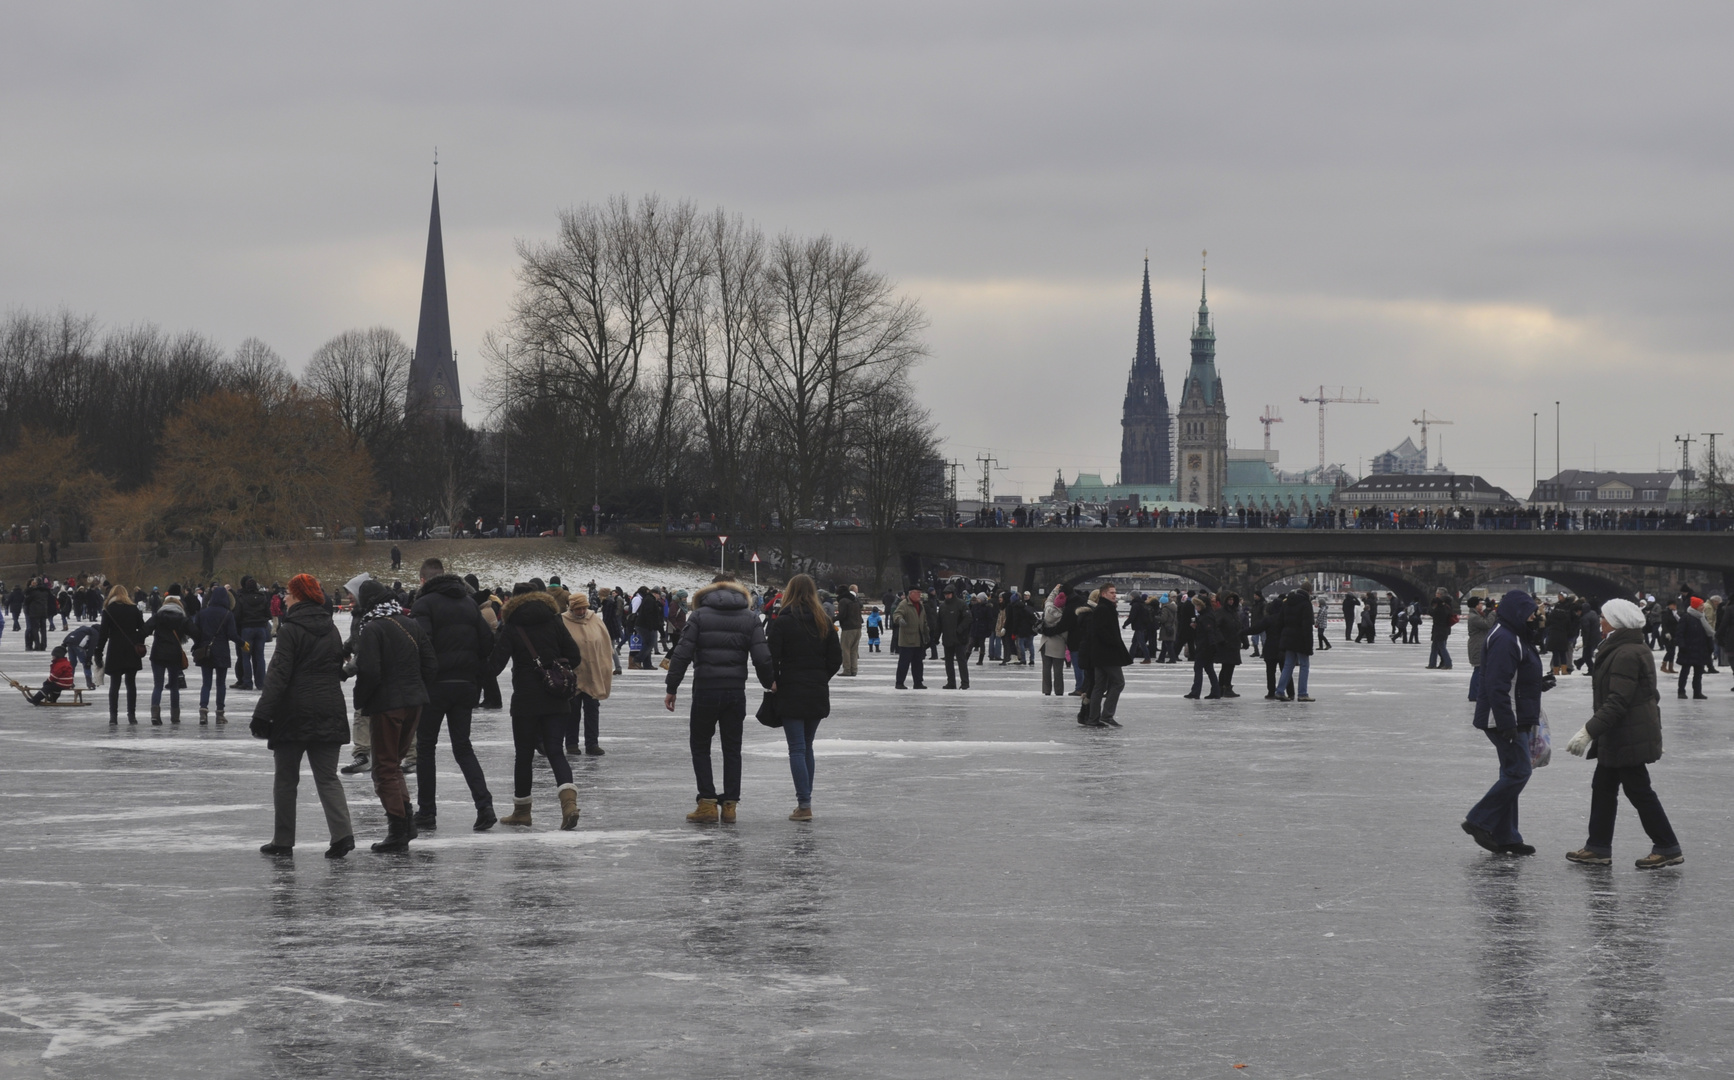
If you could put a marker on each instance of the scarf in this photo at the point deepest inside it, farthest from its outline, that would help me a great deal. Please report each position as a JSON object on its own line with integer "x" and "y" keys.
{"x": 384, "y": 609}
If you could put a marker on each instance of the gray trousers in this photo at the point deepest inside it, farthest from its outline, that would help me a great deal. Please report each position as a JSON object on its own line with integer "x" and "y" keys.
{"x": 851, "y": 650}
{"x": 322, "y": 759}
{"x": 1105, "y": 687}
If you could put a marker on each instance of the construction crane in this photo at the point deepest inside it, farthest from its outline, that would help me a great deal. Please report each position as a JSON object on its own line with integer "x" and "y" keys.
{"x": 1341, "y": 397}
{"x": 1426, "y": 422}
{"x": 1272, "y": 415}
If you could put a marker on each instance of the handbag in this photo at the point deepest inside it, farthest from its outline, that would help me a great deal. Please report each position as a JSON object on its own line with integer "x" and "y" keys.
{"x": 767, "y": 714}
{"x": 1540, "y": 744}
{"x": 202, "y": 655}
{"x": 559, "y": 677}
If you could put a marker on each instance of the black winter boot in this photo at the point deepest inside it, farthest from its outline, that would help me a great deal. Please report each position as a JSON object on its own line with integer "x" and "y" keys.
{"x": 397, "y": 835}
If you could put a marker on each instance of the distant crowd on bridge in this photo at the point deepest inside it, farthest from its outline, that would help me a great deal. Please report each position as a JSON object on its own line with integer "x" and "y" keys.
{"x": 1531, "y": 519}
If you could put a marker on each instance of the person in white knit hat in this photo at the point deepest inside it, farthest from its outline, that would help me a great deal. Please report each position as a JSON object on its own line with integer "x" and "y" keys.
{"x": 1625, "y": 737}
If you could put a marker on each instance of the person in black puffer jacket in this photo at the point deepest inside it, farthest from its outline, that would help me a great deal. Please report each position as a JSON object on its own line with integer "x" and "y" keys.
{"x": 531, "y": 636}
{"x": 166, "y": 629}
{"x": 301, "y": 711}
{"x": 1206, "y": 631}
{"x": 39, "y": 605}
{"x": 1296, "y": 642}
{"x": 462, "y": 640}
{"x": 805, "y": 654}
{"x": 213, "y": 631}
{"x": 721, "y": 635}
{"x": 394, "y": 663}
{"x": 253, "y": 619}
{"x": 647, "y": 620}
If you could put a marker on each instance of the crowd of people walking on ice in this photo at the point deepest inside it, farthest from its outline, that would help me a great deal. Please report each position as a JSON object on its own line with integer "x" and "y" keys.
{"x": 430, "y": 656}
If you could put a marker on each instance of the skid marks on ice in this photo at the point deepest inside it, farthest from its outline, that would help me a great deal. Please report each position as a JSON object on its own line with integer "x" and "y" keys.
{"x": 80, "y": 1021}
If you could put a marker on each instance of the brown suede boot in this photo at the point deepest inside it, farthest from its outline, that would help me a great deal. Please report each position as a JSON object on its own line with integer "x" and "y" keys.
{"x": 728, "y": 811}
{"x": 520, "y": 814}
{"x": 568, "y": 806}
{"x": 706, "y": 812}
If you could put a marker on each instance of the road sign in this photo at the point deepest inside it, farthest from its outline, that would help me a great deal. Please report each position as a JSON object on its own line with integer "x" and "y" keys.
{"x": 755, "y": 556}
{"x": 724, "y": 539}
{"x": 595, "y": 508}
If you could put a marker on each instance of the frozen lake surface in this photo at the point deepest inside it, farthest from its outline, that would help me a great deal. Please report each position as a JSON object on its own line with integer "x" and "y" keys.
{"x": 987, "y": 889}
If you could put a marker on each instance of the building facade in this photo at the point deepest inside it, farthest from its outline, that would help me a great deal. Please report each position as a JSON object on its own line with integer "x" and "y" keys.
{"x": 1146, "y": 432}
{"x": 1400, "y": 491}
{"x": 1201, "y": 422}
{"x": 1584, "y": 489}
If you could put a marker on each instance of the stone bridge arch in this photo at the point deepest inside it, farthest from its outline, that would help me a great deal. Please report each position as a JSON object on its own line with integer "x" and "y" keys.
{"x": 1069, "y": 577}
{"x": 1596, "y": 583}
{"x": 1395, "y": 579}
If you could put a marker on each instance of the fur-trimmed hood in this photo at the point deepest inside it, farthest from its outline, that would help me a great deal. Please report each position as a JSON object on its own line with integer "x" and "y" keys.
{"x": 726, "y": 595}
{"x": 530, "y": 609}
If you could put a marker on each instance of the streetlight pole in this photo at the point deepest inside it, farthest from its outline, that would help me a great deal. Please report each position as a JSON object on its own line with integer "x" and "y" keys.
{"x": 1534, "y": 443}
{"x": 1556, "y": 466}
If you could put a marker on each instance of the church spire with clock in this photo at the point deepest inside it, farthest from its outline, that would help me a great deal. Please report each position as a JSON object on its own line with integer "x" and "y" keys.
{"x": 1201, "y": 422}
{"x": 433, "y": 372}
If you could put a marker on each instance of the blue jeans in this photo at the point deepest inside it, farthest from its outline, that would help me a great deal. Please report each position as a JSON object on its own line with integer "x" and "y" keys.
{"x": 1497, "y": 810}
{"x": 80, "y": 658}
{"x": 1027, "y": 647}
{"x": 1290, "y": 662}
{"x": 800, "y": 735}
{"x": 250, "y": 666}
{"x": 158, "y": 671}
{"x": 1437, "y": 656}
{"x": 1077, "y": 674}
{"x": 208, "y": 675}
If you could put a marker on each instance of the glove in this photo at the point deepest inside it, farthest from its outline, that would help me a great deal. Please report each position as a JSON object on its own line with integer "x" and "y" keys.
{"x": 1579, "y": 743}
{"x": 1548, "y": 682}
{"x": 260, "y": 728}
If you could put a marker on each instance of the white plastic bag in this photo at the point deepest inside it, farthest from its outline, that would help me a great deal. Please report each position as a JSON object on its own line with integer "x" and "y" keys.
{"x": 1540, "y": 744}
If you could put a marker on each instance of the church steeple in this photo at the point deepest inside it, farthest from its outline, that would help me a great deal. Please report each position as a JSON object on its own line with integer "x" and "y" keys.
{"x": 1146, "y": 354}
{"x": 433, "y": 372}
{"x": 1145, "y": 423}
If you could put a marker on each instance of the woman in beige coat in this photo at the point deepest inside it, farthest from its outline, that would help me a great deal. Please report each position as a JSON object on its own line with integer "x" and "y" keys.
{"x": 595, "y": 672}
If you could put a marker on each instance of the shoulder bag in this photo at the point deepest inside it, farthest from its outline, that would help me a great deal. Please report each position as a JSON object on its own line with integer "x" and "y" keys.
{"x": 559, "y": 677}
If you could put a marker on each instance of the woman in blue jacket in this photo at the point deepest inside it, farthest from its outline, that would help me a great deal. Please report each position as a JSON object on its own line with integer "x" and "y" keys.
{"x": 1508, "y": 711}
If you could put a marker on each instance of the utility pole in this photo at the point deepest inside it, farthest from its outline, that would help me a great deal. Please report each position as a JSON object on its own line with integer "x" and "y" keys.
{"x": 988, "y": 464}
{"x": 1685, "y": 442}
{"x": 1534, "y": 459}
{"x": 1713, "y": 474}
{"x": 1426, "y": 422}
{"x": 1556, "y": 464}
{"x": 1340, "y": 396}
{"x": 1272, "y": 415}
{"x": 951, "y": 468}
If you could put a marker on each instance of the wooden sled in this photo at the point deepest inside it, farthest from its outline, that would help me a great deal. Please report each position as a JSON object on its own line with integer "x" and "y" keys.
{"x": 77, "y": 697}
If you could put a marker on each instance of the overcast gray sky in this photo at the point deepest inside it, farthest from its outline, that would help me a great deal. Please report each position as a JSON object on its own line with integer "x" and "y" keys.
{"x": 1475, "y": 209}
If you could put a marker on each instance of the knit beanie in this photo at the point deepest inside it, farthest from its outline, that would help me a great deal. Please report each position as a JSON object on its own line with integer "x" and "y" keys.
{"x": 306, "y": 589}
{"x": 1697, "y": 603}
{"x": 372, "y": 592}
{"x": 1623, "y": 615}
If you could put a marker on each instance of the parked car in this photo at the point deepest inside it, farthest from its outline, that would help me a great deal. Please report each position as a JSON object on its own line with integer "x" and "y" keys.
{"x": 440, "y": 532}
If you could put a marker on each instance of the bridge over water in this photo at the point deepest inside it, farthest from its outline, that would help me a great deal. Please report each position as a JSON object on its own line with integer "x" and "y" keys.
{"x": 1409, "y": 562}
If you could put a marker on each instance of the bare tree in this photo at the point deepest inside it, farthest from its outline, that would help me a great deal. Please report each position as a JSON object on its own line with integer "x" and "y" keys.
{"x": 718, "y": 356}
{"x": 677, "y": 264}
{"x": 831, "y": 332}
{"x": 364, "y": 374}
{"x": 893, "y": 447}
{"x": 255, "y": 369}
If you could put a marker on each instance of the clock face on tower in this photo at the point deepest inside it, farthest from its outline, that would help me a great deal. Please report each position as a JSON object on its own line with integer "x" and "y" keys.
{"x": 1195, "y": 461}
{"x": 439, "y": 390}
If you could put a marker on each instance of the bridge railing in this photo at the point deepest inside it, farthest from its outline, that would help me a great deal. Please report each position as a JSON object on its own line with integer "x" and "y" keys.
{"x": 1414, "y": 519}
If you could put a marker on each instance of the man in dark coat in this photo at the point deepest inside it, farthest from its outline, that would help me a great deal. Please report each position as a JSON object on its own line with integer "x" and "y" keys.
{"x": 462, "y": 641}
{"x": 1206, "y": 632}
{"x": 1695, "y": 647}
{"x": 39, "y": 607}
{"x": 1625, "y": 738}
{"x": 253, "y": 619}
{"x": 721, "y": 637}
{"x": 1350, "y": 603}
{"x": 1108, "y": 660}
{"x": 1444, "y": 615}
{"x": 394, "y": 664}
{"x": 647, "y": 620}
{"x": 954, "y": 623}
{"x": 1296, "y": 640}
{"x": 1508, "y": 712}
